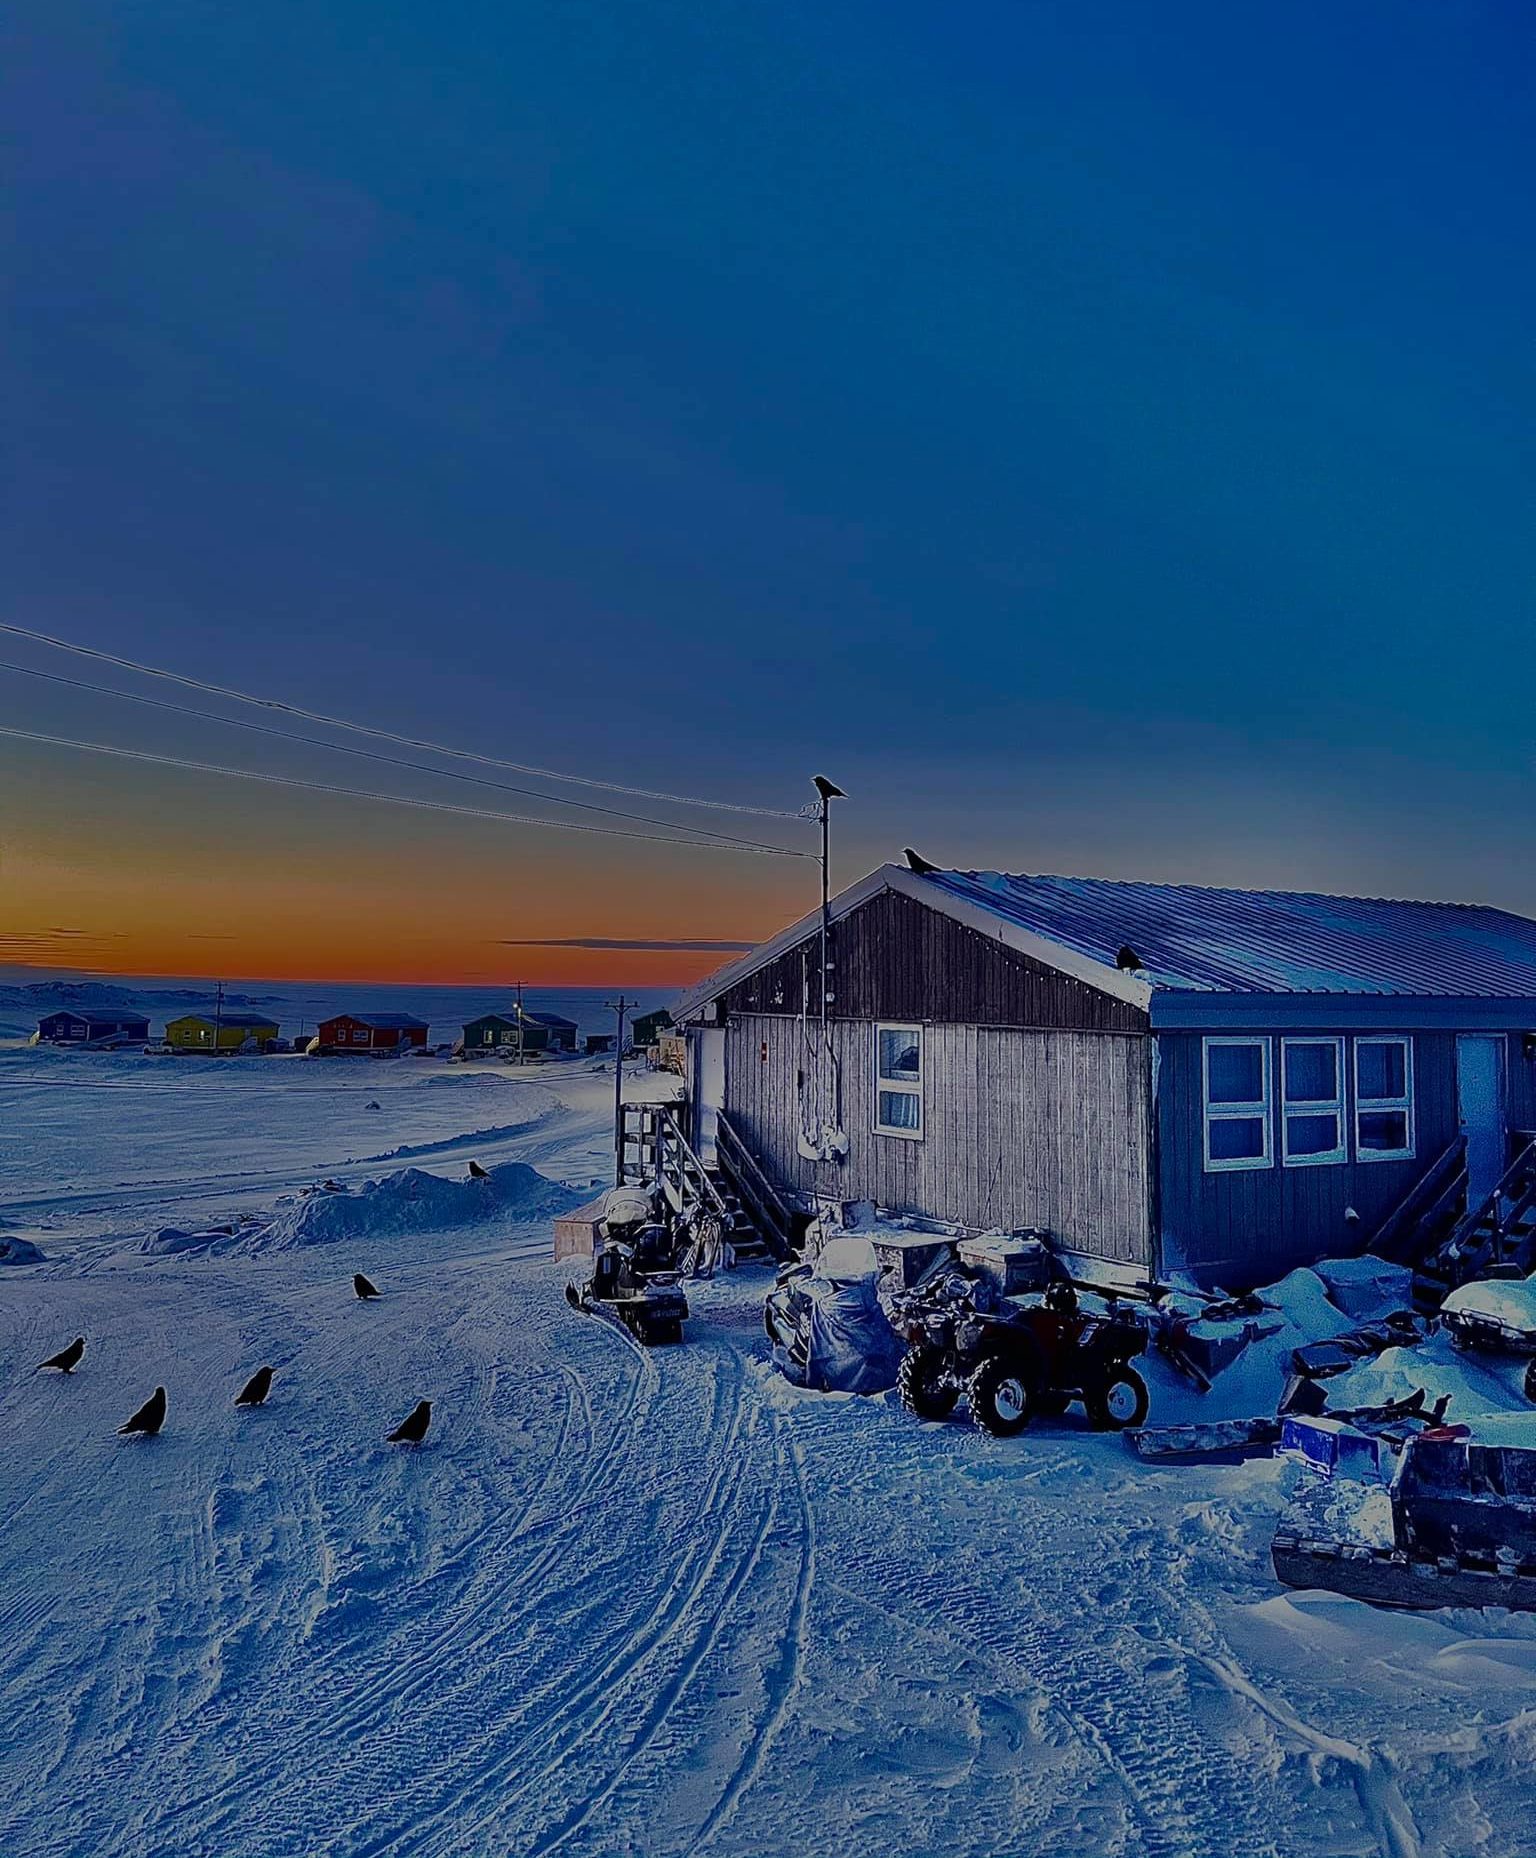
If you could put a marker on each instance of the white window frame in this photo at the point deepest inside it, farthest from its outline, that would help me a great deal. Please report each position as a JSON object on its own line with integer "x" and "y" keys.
{"x": 900, "y": 1086}
{"x": 1371, "y": 1106}
{"x": 1263, "y": 1110}
{"x": 1323, "y": 1106}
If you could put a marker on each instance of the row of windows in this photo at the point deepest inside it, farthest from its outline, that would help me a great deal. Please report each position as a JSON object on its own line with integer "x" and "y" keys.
{"x": 1240, "y": 1098}
{"x": 1241, "y": 1101}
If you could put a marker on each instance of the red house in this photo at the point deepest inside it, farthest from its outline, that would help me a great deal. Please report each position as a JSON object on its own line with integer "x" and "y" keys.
{"x": 372, "y": 1032}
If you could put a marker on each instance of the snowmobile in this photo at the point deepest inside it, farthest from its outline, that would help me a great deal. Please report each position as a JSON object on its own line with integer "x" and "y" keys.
{"x": 1013, "y": 1361}
{"x": 635, "y": 1277}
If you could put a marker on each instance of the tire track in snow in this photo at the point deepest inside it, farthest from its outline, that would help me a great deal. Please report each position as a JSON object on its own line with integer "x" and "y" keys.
{"x": 552, "y": 1708}
{"x": 784, "y": 1685}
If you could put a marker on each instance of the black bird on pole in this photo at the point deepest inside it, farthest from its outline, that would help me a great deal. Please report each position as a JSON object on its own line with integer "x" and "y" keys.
{"x": 150, "y": 1416}
{"x": 363, "y": 1287}
{"x": 67, "y": 1359}
{"x": 256, "y": 1389}
{"x": 413, "y": 1428}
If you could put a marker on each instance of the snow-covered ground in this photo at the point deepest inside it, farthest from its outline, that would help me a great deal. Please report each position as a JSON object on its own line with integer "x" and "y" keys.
{"x": 621, "y": 1602}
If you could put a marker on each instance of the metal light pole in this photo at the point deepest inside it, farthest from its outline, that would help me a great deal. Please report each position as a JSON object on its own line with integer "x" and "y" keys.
{"x": 826, "y": 792}
{"x": 620, "y": 1006}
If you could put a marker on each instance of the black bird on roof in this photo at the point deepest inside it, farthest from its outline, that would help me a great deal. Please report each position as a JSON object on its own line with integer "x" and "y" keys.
{"x": 477, "y": 1173}
{"x": 256, "y": 1389}
{"x": 363, "y": 1287}
{"x": 413, "y": 1428}
{"x": 150, "y": 1416}
{"x": 1128, "y": 961}
{"x": 67, "y": 1359}
{"x": 917, "y": 862}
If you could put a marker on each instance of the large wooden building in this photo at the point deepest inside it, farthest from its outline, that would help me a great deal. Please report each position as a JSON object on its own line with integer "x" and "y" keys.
{"x": 1161, "y": 1076}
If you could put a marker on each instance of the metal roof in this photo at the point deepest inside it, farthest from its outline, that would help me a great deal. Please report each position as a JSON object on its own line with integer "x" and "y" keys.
{"x": 1193, "y": 939}
{"x": 549, "y": 1019}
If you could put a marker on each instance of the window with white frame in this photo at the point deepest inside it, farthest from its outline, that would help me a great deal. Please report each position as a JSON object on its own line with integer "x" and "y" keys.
{"x": 1312, "y": 1101}
{"x": 1237, "y": 1104}
{"x": 1384, "y": 1099}
{"x": 899, "y": 1081}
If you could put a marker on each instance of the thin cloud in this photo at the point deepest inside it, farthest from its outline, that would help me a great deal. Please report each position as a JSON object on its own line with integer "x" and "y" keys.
{"x": 631, "y": 945}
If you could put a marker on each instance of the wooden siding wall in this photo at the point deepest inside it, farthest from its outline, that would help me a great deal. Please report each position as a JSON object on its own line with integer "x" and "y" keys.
{"x": 1249, "y": 1226}
{"x": 893, "y": 958}
{"x": 1022, "y": 1128}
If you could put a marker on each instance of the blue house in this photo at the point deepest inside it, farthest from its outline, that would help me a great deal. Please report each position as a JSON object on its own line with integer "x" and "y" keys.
{"x": 75, "y": 1026}
{"x": 1163, "y": 1076}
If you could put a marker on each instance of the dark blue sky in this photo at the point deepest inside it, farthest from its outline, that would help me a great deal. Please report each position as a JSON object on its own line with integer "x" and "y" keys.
{"x": 1100, "y": 434}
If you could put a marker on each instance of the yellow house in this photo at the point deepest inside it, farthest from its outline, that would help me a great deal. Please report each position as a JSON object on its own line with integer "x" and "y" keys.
{"x": 194, "y": 1032}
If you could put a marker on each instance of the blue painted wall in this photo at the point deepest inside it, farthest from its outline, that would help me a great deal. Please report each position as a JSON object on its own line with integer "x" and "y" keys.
{"x": 1249, "y": 1226}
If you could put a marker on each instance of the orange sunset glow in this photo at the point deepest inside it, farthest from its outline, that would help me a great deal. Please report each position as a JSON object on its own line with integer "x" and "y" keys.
{"x": 149, "y": 871}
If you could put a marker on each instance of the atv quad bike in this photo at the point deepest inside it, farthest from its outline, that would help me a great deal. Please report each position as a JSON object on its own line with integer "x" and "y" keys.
{"x": 1017, "y": 1361}
{"x": 635, "y": 1279}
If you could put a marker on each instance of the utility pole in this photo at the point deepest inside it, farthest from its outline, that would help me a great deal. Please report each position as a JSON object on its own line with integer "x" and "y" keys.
{"x": 218, "y": 1018}
{"x": 620, "y": 1006}
{"x": 826, "y": 792}
{"x": 519, "y": 986}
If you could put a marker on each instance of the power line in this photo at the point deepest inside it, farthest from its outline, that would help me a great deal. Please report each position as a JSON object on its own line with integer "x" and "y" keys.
{"x": 387, "y": 735}
{"x": 367, "y": 793}
{"x": 346, "y": 748}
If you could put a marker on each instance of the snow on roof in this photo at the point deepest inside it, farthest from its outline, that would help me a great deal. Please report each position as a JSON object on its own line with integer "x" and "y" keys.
{"x": 549, "y": 1019}
{"x": 94, "y": 1016}
{"x": 384, "y": 1022}
{"x": 1192, "y": 938}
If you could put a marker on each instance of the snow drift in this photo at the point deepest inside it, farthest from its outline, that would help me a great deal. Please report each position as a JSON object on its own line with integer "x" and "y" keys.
{"x": 410, "y": 1200}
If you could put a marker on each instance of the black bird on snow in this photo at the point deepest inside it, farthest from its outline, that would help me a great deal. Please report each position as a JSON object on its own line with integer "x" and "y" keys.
{"x": 67, "y": 1359}
{"x": 256, "y": 1389}
{"x": 150, "y": 1416}
{"x": 364, "y": 1289}
{"x": 477, "y": 1173}
{"x": 413, "y": 1428}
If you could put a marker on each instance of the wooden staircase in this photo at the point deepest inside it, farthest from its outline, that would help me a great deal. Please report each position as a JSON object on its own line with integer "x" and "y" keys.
{"x": 753, "y": 1215}
{"x": 1450, "y": 1240}
{"x": 1494, "y": 1238}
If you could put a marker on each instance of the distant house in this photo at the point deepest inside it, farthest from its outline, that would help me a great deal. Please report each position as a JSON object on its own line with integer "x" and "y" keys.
{"x": 647, "y": 1028}
{"x": 371, "y": 1032}
{"x": 600, "y": 1042}
{"x": 73, "y": 1027}
{"x": 1163, "y": 1076}
{"x": 495, "y": 1032}
{"x": 196, "y": 1032}
{"x": 560, "y": 1035}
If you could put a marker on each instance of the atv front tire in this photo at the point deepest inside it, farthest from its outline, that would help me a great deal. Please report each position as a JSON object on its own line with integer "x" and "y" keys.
{"x": 1120, "y": 1403}
{"x": 1001, "y": 1399}
{"x": 924, "y": 1387}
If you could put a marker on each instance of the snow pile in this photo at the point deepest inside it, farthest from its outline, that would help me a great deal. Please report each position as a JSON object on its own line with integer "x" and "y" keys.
{"x": 1509, "y": 1302}
{"x": 1477, "y": 1384}
{"x": 19, "y": 1251}
{"x": 1297, "y": 1310}
{"x": 1368, "y": 1288}
{"x": 409, "y": 1201}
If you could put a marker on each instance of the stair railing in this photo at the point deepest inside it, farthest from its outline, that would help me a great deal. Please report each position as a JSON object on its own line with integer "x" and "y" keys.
{"x": 1440, "y": 1190}
{"x": 749, "y": 1181}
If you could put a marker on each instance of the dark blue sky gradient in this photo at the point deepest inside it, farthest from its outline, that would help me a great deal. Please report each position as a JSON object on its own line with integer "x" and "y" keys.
{"x": 1102, "y": 435}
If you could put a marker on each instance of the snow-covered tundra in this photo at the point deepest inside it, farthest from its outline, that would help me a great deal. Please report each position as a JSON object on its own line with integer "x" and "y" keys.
{"x": 617, "y": 1602}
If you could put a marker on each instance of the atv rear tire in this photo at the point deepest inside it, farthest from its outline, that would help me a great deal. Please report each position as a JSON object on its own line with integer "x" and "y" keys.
{"x": 924, "y": 1388}
{"x": 1001, "y": 1399}
{"x": 1120, "y": 1403}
